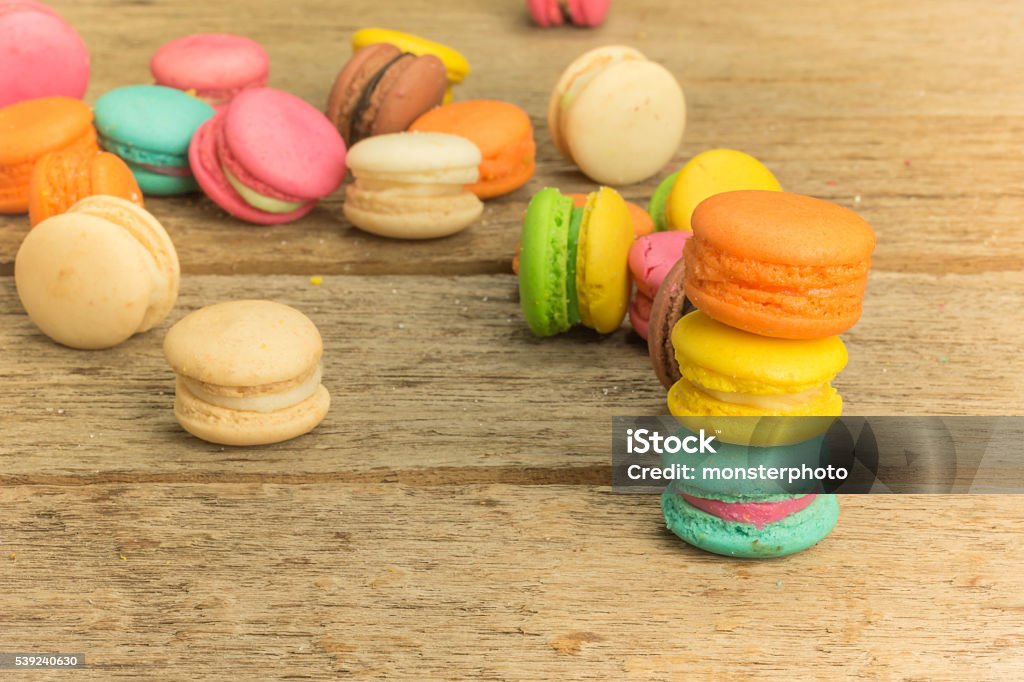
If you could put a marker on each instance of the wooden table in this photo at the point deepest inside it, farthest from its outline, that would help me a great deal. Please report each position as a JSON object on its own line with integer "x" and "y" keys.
{"x": 452, "y": 518}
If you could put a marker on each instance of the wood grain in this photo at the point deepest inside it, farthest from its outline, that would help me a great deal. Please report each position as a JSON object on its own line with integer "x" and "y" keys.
{"x": 496, "y": 582}
{"x": 450, "y": 519}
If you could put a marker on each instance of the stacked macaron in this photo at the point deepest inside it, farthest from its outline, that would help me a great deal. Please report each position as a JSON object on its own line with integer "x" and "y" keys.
{"x": 775, "y": 277}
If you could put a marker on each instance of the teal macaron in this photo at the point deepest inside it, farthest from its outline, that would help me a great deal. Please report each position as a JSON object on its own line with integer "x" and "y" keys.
{"x": 656, "y": 208}
{"x": 729, "y": 537}
{"x": 150, "y": 127}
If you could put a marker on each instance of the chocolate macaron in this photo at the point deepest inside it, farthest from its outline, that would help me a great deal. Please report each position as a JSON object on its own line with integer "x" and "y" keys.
{"x": 383, "y": 90}
{"x": 670, "y": 304}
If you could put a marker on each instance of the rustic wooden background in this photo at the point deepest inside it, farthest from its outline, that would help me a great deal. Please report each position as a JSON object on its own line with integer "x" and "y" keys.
{"x": 451, "y": 519}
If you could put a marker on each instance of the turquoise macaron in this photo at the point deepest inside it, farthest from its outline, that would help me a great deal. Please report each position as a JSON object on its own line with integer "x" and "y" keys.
{"x": 150, "y": 127}
{"x": 742, "y": 534}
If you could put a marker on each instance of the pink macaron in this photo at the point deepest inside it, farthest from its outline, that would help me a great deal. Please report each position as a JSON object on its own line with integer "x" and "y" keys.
{"x": 650, "y": 259}
{"x": 586, "y": 13}
{"x": 215, "y": 66}
{"x": 41, "y": 55}
{"x": 268, "y": 157}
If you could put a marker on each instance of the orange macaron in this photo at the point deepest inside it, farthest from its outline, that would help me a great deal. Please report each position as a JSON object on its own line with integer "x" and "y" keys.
{"x": 62, "y": 179}
{"x": 778, "y": 264}
{"x": 503, "y": 133}
{"x": 32, "y": 128}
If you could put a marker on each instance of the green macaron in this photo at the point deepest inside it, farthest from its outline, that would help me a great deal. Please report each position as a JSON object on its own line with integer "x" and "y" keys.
{"x": 547, "y": 263}
{"x": 150, "y": 127}
{"x": 657, "y": 206}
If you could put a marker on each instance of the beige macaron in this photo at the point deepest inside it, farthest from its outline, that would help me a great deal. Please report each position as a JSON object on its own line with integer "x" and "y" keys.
{"x": 248, "y": 373}
{"x": 617, "y": 115}
{"x": 413, "y": 185}
{"x": 98, "y": 274}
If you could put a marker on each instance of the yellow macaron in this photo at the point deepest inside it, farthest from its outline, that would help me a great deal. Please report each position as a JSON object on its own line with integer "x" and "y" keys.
{"x": 727, "y": 372}
{"x": 455, "y": 64}
{"x": 713, "y": 172}
{"x": 602, "y": 277}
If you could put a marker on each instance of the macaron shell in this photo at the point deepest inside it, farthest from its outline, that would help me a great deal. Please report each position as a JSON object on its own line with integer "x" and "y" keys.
{"x": 640, "y": 314}
{"x": 160, "y": 185}
{"x": 30, "y": 129}
{"x": 587, "y": 63}
{"x": 83, "y": 281}
{"x": 42, "y": 55}
{"x": 546, "y": 13}
{"x": 656, "y": 207}
{"x": 626, "y": 123}
{"x": 352, "y": 80}
{"x": 223, "y": 426}
{"x": 456, "y": 65}
{"x": 652, "y": 257}
{"x": 151, "y": 235}
{"x": 588, "y": 13}
{"x": 245, "y": 343}
{"x": 723, "y": 358}
{"x": 215, "y": 65}
{"x": 209, "y": 174}
{"x": 544, "y": 247}
{"x": 713, "y": 172}
{"x": 305, "y": 157}
{"x": 778, "y": 264}
{"x": 602, "y": 270}
{"x": 60, "y": 180}
{"x": 409, "y": 88}
{"x": 795, "y": 533}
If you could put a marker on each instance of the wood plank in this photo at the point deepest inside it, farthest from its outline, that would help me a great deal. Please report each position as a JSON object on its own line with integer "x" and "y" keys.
{"x": 493, "y": 582}
{"x": 836, "y": 100}
{"x": 439, "y": 377}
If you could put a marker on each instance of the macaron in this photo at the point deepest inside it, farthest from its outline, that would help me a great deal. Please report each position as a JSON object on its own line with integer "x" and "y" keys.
{"x": 265, "y": 178}
{"x": 150, "y": 127}
{"x": 753, "y": 529}
{"x": 383, "y": 90}
{"x": 617, "y": 115}
{"x": 726, "y": 372}
{"x": 413, "y": 185}
{"x": 62, "y": 179}
{"x": 455, "y": 64}
{"x": 573, "y": 263}
{"x": 503, "y": 133}
{"x": 650, "y": 259}
{"x": 248, "y": 373}
{"x": 99, "y": 273}
{"x": 668, "y": 306}
{"x": 35, "y": 127}
{"x": 656, "y": 207}
{"x": 778, "y": 264}
{"x": 41, "y": 55}
{"x": 213, "y": 66}
{"x": 713, "y": 172}
{"x": 583, "y": 13}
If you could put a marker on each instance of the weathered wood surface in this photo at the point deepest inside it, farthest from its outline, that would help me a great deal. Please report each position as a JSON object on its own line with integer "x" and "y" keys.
{"x": 496, "y": 582}
{"x": 450, "y": 519}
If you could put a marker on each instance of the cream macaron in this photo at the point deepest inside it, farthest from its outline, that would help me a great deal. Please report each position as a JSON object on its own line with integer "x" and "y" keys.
{"x": 96, "y": 275}
{"x": 248, "y": 373}
{"x": 617, "y": 115}
{"x": 413, "y": 185}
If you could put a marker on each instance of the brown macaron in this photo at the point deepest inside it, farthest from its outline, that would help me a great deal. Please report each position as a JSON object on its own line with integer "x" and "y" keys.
{"x": 383, "y": 90}
{"x": 670, "y": 304}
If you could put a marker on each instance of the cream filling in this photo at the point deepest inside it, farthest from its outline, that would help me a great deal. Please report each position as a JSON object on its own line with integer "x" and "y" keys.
{"x": 257, "y": 200}
{"x": 408, "y": 189}
{"x": 261, "y": 403}
{"x": 782, "y": 402}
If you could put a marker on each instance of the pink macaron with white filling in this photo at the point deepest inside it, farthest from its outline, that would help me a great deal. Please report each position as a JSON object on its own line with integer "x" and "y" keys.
{"x": 268, "y": 157}
{"x": 215, "y": 66}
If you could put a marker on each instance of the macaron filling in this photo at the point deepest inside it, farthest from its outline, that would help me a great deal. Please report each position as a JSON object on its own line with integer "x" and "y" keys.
{"x": 259, "y": 201}
{"x": 758, "y": 514}
{"x": 572, "y": 251}
{"x": 263, "y": 399}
